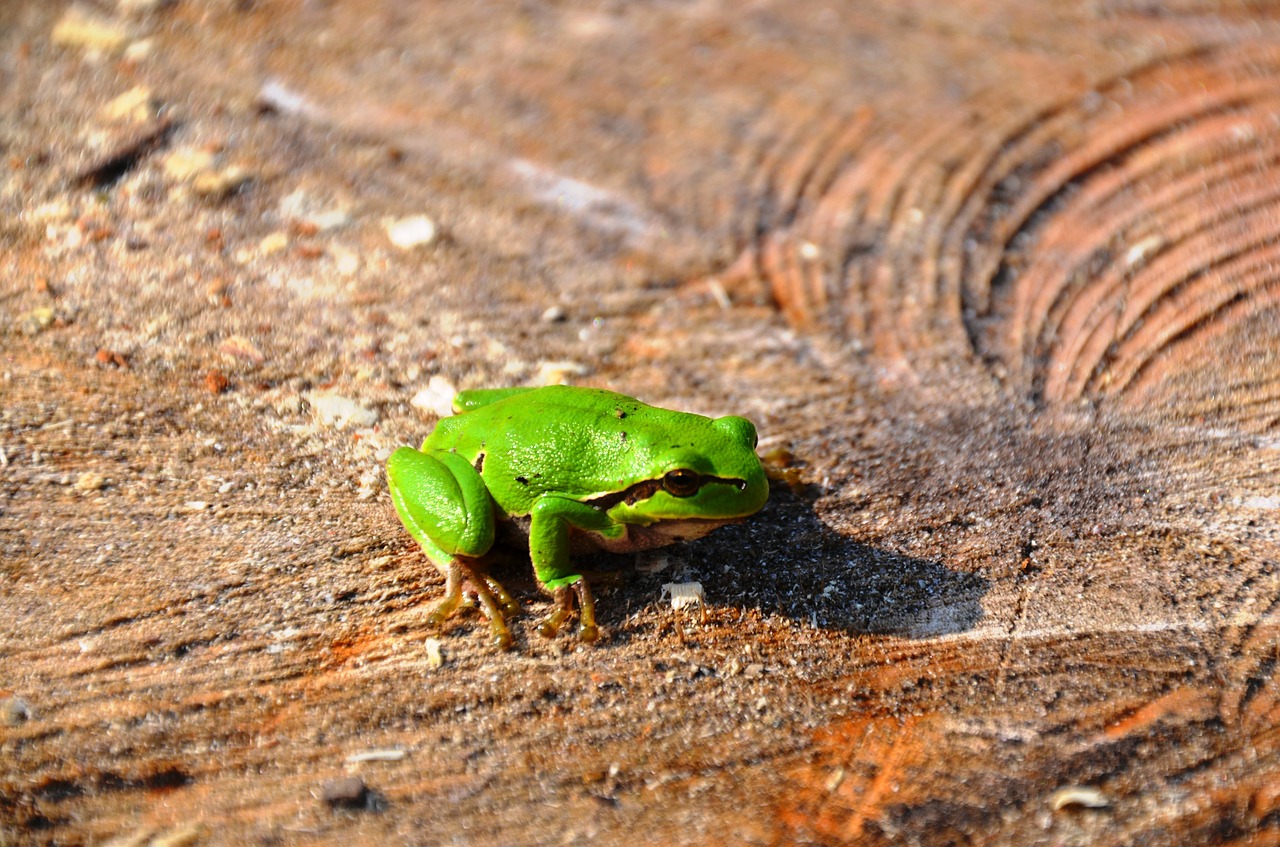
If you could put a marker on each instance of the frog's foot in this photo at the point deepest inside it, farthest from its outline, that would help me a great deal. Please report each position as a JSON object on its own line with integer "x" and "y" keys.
{"x": 564, "y": 596}
{"x": 485, "y": 589}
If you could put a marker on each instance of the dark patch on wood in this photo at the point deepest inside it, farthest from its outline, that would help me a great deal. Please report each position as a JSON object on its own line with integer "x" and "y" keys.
{"x": 122, "y": 158}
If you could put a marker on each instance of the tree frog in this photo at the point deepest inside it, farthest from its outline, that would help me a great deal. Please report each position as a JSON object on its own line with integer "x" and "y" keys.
{"x": 566, "y": 470}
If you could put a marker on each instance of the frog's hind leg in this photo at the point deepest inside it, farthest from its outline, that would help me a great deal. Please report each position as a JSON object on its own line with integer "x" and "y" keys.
{"x": 445, "y": 506}
{"x": 460, "y": 579}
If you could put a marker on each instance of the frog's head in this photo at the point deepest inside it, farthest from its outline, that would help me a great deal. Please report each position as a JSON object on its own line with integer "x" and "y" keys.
{"x": 703, "y": 469}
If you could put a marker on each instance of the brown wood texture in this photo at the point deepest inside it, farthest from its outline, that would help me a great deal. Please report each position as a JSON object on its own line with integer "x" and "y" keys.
{"x": 1002, "y": 277}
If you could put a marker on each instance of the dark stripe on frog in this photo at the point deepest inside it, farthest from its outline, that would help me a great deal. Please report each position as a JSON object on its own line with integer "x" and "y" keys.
{"x": 644, "y": 490}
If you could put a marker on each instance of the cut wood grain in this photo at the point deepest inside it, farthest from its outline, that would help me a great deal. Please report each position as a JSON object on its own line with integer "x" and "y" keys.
{"x": 998, "y": 280}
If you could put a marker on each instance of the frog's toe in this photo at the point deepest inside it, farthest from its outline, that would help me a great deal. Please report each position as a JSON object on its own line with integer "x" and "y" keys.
{"x": 495, "y": 601}
{"x": 441, "y": 612}
{"x": 510, "y": 606}
{"x": 587, "y": 629}
{"x": 564, "y": 599}
{"x": 564, "y": 607}
{"x": 499, "y": 635}
{"x": 452, "y": 596}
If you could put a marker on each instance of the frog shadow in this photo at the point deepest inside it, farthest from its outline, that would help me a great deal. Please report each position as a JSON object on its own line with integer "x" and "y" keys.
{"x": 786, "y": 561}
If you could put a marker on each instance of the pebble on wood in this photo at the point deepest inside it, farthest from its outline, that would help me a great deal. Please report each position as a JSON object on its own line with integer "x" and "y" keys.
{"x": 345, "y": 793}
{"x": 436, "y": 398}
{"x": 408, "y": 233}
{"x": 90, "y": 481}
{"x": 137, "y": 105}
{"x": 14, "y": 711}
{"x": 341, "y": 412}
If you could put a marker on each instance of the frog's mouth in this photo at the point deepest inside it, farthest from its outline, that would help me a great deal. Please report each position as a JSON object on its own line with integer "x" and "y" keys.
{"x": 642, "y": 491}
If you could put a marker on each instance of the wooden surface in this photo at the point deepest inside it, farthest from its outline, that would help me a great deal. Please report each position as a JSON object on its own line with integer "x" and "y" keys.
{"x": 1001, "y": 277}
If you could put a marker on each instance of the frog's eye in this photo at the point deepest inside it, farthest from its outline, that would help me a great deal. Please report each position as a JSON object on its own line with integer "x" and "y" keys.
{"x": 681, "y": 482}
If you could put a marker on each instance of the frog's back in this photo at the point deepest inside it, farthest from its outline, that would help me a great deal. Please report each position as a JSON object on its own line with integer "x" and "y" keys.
{"x": 556, "y": 420}
{"x": 532, "y": 414}
{"x": 575, "y": 442}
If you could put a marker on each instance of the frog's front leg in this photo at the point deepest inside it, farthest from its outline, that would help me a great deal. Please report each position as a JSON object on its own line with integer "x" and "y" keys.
{"x": 444, "y": 504}
{"x": 549, "y": 526}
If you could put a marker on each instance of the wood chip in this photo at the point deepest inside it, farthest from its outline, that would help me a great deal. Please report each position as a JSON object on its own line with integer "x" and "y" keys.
{"x": 1078, "y": 795}
{"x": 181, "y": 837}
{"x": 239, "y": 347}
{"x": 375, "y": 756}
{"x": 137, "y": 105}
{"x": 81, "y": 27}
{"x": 435, "y": 656}
{"x": 683, "y": 594}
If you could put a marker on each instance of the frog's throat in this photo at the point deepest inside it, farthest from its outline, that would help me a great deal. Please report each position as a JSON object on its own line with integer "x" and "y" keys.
{"x": 638, "y": 538}
{"x": 644, "y": 490}
{"x": 513, "y": 533}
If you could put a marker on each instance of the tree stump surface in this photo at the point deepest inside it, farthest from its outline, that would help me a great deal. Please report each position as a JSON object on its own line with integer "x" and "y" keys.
{"x": 997, "y": 281}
